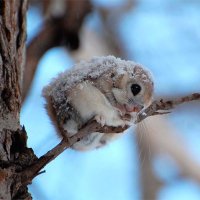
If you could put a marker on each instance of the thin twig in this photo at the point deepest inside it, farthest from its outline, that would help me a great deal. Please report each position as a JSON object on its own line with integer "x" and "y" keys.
{"x": 162, "y": 105}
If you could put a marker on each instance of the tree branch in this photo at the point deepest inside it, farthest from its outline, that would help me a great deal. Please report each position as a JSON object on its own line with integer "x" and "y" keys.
{"x": 92, "y": 126}
{"x": 157, "y": 107}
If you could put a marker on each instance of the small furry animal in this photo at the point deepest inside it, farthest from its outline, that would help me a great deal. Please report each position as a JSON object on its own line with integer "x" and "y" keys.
{"x": 103, "y": 88}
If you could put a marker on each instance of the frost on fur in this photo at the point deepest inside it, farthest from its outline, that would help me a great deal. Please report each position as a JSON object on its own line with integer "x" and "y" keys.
{"x": 93, "y": 69}
{"x": 99, "y": 88}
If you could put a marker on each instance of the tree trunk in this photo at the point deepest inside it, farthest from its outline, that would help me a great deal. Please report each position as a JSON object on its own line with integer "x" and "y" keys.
{"x": 14, "y": 155}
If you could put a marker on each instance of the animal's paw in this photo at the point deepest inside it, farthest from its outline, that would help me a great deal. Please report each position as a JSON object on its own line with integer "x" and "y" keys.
{"x": 121, "y": 110}
{"x": 128, "y": 123}
{"x": 114, "y": 121}
{"x": 100, "y": 119}
{"x": 119, "y": 122}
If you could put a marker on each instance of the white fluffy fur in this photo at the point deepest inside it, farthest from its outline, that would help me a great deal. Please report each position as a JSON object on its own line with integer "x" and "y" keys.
{"x": 98, "y": 88}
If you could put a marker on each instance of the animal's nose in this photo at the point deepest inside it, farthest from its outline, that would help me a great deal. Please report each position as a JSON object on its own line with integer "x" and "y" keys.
{"x": 133, "y": 108}
{"x": 138, "y": 108}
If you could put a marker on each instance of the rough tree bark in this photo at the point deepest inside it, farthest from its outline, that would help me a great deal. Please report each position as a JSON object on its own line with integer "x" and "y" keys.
{"x": 16, "y": 160}
{"x": 14, "y": 155}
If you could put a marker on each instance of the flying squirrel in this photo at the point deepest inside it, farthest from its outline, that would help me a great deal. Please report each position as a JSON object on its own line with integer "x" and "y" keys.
{"x": 103, "y": 88}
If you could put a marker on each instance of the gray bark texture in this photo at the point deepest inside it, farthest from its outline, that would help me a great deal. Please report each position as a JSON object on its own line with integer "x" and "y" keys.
{"x": 14, "y": 155}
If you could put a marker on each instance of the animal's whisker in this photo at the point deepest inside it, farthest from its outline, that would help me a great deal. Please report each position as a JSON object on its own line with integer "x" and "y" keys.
{"x": 145, "y": 148}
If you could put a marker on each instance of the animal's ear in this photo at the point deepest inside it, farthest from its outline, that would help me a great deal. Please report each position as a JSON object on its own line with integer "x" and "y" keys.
{"x": 119, "y": 95}
{"x": 121, "y": 81}
{"x": 137, "y": 69}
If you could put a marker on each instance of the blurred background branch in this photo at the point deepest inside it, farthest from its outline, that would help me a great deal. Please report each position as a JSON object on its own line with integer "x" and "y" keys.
{"x": 60, "y": 27}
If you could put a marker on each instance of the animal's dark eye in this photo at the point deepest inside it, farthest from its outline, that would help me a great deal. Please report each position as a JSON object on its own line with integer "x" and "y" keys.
{"x": 135, "y": 88}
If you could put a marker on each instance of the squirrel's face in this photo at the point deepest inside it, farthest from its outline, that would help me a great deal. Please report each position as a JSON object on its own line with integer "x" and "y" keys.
{"x": 134, "y": 91}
